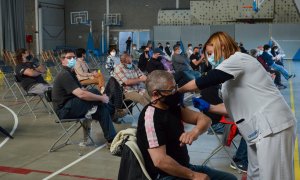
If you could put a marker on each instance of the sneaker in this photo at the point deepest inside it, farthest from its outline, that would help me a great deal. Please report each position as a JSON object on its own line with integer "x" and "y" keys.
{"x": 83, "y": 144}
{"x": 240, "y": 165}
{"x": 292, "y": 76}
{"x": 108, "y": 144}
{"x": 119, "y": 113}
{"x": 281, "y": 87}
{"x": 90, "y": 112}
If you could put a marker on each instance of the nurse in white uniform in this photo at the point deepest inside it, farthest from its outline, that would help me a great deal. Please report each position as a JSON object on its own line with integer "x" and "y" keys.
{"x": 259, "y": 110}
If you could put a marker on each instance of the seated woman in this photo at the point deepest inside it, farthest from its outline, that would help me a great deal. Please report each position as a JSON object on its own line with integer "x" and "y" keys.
{"x": 83, "y": 73}
{"x": 112, "y": 61}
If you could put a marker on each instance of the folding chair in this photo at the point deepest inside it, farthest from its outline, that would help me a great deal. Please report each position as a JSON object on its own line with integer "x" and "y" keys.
{"x": 116, "y": 95}
{"x": 8, "y": 77}
{"x": 68, "y": 130}
{"x": 29, "y": 97}
{"x": 222, "y": 143}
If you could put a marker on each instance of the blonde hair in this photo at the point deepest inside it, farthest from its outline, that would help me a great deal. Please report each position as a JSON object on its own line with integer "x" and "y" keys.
{"x": 223, "y": 44}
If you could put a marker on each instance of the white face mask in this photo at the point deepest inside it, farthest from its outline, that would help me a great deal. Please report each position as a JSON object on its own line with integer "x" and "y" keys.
{"x": 113, "y": 53}
{"x": 134, "y": 48}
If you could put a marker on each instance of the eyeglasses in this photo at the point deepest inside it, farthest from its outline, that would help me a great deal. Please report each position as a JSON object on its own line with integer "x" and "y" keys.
{"x": 172, "y": 91}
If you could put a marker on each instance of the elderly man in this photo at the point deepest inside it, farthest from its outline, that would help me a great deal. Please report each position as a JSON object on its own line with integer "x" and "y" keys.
{"x": 70, "y": 100}
{"x": 132, "y": 79}
{"x": 161, "y": 136}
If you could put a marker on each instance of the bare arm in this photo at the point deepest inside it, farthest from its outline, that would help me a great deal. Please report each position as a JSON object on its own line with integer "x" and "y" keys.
{"x": 199, "y": 119}
{"x": 31, "y": 72}
{"x": 218, "y": 109}
{"x": 188, "y": 87}
{"x": 88, "y": 96}
{"x": 41, "y": 68}
{"x": 134, "y": 81}
{"x": 167, "y": 164}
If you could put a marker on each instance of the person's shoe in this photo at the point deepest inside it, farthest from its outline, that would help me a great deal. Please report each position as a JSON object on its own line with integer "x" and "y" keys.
{"x": 292, "y": 76}
{"x": 108, "y": 145}
{"x": 281, "y": 87}
{"x": 83, "y": 143}
{"x": 119, "y": 113}
{"x": 240, "y": 165}
{"x": 90, "y": 112}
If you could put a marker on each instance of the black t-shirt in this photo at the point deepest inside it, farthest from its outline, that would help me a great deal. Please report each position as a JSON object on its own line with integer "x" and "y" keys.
{"x": 28, "y": 81}
{"x": 63, "y": 86}
{"x": 157, "y": 127}
{"x": 143, "y": 61}
{"x": 154, "y": 64}
{"x": 192, "y": 57}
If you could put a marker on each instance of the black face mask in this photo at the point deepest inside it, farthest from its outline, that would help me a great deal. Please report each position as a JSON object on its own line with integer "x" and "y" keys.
{"x": 173, "y": 100}
{"x": 29, "y": 57}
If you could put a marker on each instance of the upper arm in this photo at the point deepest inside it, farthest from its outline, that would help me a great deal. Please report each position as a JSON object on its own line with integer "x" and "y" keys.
{"x": 233, "y": 66}
{"x": 120, "y": 75}
{"x": 192, "y": 117}
{"x": 70, "y": 84}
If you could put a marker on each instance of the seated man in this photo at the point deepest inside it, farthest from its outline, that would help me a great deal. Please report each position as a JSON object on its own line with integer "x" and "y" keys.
{"x": 182, "y": 65}
{"x": 196, "y": 59}
{"x": 267, "y": 56}
{"x": 70, "y": 100}
{"x": 83, "y": 73}
{"x": 132, "y": 79}
{"x": 30, "y": 74}
{"x": 155, "y": 62}
{"x": 161, "y": 137}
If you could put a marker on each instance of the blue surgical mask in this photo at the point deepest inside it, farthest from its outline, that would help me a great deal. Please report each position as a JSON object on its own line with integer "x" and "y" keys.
{"x": 211, "y": 60}
{"x": 260, "y": 52}
{"x": 71, "y": 63}
{"x": 129, "y": 66}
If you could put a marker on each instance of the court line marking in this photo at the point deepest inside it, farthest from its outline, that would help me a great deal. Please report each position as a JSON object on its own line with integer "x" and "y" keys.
{"x": 73, "y": 163}
{"x": 15, "y": 125}
{"x": 296, "y": 150}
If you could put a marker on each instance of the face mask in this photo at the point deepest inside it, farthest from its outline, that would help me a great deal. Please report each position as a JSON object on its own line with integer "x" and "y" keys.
{"x": 29, "y": 57}
{"x": 129, "y": 66}
{"x": 113, "y": 54}
{"x": 260, "y": 52}
{"x": 71, "y": 63}
{"x": 173, "y": 100}
{"x": 211, "y": 60}
{"x": 168, "y": 45}
{"x": 190, "y": 47}
{"x": 276, "y": 50}
{"x": 134, "y": 48}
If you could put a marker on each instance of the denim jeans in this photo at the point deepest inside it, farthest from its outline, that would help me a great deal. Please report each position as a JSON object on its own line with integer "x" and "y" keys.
{"x": 241, "y": 153}
{"x": 212, "y": 173}
{"x": 281, "y": 69}
{"x": 77, "y": 108}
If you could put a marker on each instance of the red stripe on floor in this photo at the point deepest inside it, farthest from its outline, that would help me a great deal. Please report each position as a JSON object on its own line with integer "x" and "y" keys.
{"x": 24, "y": 171}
